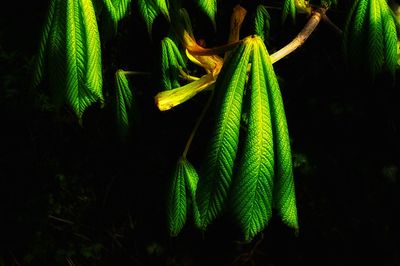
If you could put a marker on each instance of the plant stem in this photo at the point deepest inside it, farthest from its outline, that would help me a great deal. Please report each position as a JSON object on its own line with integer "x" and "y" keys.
{"x": 301, "y": 37}
{"x": 136, "y": 73}
{"x": 198, "y": 122}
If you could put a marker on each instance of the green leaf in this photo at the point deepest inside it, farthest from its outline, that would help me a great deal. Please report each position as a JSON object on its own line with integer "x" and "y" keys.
{"x": 253, "y": 187}
{"x": 375, "y": 38}
{"x": 262, "y": 22}
{"x": 191, "y": 181}
{"x": 284, "y": 198}
{"x": 289, "y": 9}
{"x": 214, "y": 187}
{"x": 390, "y": 37}
{"x": 171, "y": 62}
{"x": 150, "y": 9}
{"x": 117, "y": 8}
{"x": 209, "y": 7}
{"x": 83, "y": 82}
{"x": 39, "y": 67}
{"x": 57, "y": 61}
{"x": 177, "y": 208}
{"x": 163, "y": 7}
{"x": 94, "y": 77}
{"x": 124, "y": 102}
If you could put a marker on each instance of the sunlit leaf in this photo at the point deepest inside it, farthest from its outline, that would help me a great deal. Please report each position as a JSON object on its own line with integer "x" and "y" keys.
{"x": 124, "y": 102}
{"x": 177, "y": 206}
{"x": 284, "y": 198}
{"x": 262, "y": 22}
{"x": 171, "y": 63}
{"x": 209, "y": 7}
{"x": 252, "y": 190}
{"x": 214, "y": 187}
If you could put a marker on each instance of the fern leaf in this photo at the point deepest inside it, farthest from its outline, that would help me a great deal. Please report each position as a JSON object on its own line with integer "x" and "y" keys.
{"x": 262, "y": 22}
{"x": 191, "y": 181}
{"x": 209, "y": 7}
{"x": 253, "y": 187}
{"x": 56, "y": 53}
{"x": 39, "y": 67}
{"x": 356, "y": 35}
{"x": 149, "y": 12}
{"x": 177, "y": 208}
{"x": 79, "y": 96}
{"x": 284, "y": 198}
{"x": 375, "y": 38}
{"x": 213, "y": 189}
{"x": 93, "y": 79}
{"x": 390, "y": 37}
{"x": 124, "y": 101}
{"x": 117, "y": 8}
{"x": 163, "y": 7}
{"x": 171, "y": 62}
{"x": 289, "y": 9}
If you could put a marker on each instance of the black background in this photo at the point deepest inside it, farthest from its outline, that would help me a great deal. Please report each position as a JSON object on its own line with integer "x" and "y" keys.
{"x": 72, "y": 195}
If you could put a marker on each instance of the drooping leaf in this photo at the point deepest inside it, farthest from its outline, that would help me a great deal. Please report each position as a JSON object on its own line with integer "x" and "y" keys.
{"x": 209, "y": 7}
{"x": 284, "y": 198}
{"x": 83, "y": 82}
{"x": 150, "y": 9}
{"x": 163, "y": 7}
{"x": 57, "y": 61}
{"x": 214, "y": 187}
{"x": 191, "y": 181}
{"x": 252, "y": 190}
{"x": 93, "y": 65}
{"x": 370, "y": 38}
{"x": 40, "y": 58}
{"x": 375, "y": 38}
{"x": 390, "y": 37}
{"x": 117, "y": 8}
{"x": 124, "y": 101}
{"x": 149, "y": 12}
{"x": 171, "y": 62}
{"x": 289, "y": 9}
{"x": 262, "y": 22}
{"x": 177, "y": 208}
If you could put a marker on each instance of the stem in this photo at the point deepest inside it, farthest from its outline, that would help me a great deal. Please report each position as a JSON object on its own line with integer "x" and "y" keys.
{"x": 326, "y": 19}
{"x": 214, "y": 51}
{"x": 301, "y": 37}
{"x": 136, "y": 73}
{"x": 198, "y": 122}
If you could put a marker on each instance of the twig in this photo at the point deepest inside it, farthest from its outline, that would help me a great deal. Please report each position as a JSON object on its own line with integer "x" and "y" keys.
{"x": 60, "y": 219}
{"x": 198, "y": 122}
{"x": 301, "y": 37}
{"x": 326, "y": 19}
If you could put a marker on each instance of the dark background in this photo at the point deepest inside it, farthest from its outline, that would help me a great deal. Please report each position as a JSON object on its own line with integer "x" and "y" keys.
{"x": 72, "y": 195}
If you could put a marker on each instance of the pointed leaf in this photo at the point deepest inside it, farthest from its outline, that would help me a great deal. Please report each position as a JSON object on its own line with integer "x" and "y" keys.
{"x": 149, "y": 11}
{"x": 191, "y": 181}
{"x": 375, "y": 38}
{"x": 39, "y": 67}
{"x": 93, "y": 78}
{"x": 176, "y": 208}
{"x": 117, "y": 8}
{"x": 289, "y": 9}
{"x": 213, "y": 189}
{"x": 124, "y": 102}
{"x": 390, "y": 37}
{"x": 81, "y": 89}
{"x": 284, "y": 198}
{"x": 57, "y": 62}
{"x": 209, "y": 7}
{"x": 171, "y": 62}
{"x": 253, "y": 187}
{"x": 262, "y": 22}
